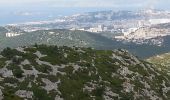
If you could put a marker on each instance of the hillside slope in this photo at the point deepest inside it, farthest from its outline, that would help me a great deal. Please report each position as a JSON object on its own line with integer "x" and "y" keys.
{"x": 58, "y": 37}
{"x": 2, "y": 35}
{"x": 80, "y": 39}
{"x": 163, "y": 62}
{"x": 64, "y": 73}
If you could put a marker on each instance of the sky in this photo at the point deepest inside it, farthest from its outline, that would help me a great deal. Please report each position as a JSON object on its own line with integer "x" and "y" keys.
{"x": 86, "y": 3}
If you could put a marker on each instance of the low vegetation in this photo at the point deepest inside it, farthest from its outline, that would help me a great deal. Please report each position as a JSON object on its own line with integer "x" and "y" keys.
{"x": 43, "y": 72}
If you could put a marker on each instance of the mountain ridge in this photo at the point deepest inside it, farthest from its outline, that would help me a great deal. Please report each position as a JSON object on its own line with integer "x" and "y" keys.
{"x": 80, "y": 38}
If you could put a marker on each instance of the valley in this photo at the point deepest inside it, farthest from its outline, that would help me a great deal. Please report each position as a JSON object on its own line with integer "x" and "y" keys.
{"x": 62, "y": 37}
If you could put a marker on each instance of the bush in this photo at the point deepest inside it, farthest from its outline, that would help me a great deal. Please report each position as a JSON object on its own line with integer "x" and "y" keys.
{"x": 10, "y": 53}
{"x": 18, "y": 73}
{"x": 43, "y": 68}
{"x": 2, "y": 62}
{"x": 27, "y": 67}
{"x": 40, "y": 94}
{"x": 17, "y": 59}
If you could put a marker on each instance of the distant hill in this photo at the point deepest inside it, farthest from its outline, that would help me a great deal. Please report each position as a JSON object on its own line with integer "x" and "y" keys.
{"x": 43, "y": 72}
{"x": 81, "y": 39}
{"x": 58, "y": 37}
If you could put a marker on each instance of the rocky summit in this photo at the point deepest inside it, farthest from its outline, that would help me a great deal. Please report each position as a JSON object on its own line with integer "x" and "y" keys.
{"x": 43, "y": 72}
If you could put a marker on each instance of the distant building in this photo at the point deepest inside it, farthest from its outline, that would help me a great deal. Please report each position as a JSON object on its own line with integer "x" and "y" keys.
{"x": 100, "y": 28}
{"x": 158, "y": 21}
{"x": 128, "y": 31}
{"x": 105, "y": 29}
{"x": 93, "y": 30}
{"x": 12, "y": 34}
{"x": 81, "y": 29}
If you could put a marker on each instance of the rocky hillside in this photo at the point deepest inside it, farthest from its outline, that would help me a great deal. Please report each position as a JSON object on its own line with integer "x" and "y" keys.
{"x": 163, "y": 62}
{"x": 64, "y": 73}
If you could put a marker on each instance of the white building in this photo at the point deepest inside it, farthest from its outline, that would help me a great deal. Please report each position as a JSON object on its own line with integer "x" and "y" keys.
{"x": 100, "y": 28}
{"x": 158, "y": 21}
{"x": 12, "y": 34}
{"x": 128, "y": 31}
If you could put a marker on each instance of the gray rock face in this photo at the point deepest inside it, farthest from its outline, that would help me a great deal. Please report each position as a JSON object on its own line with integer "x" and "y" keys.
{"x": 1, "y": 95}
{"x": 6, "y": 73}
{"x": 24, "y": 94}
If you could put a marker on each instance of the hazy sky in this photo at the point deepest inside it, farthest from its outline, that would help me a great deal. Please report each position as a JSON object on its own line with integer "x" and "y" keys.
{"x": 87, "y": 3}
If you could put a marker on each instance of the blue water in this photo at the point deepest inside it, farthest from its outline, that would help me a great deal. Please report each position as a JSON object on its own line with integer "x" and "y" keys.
{"x": 21, "y": 15}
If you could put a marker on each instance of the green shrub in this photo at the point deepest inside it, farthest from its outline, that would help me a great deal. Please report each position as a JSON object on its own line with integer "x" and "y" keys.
{"x": 18, "y": 73}
{"x": 43, "y": 68}
{"x": 27, "y": 67}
